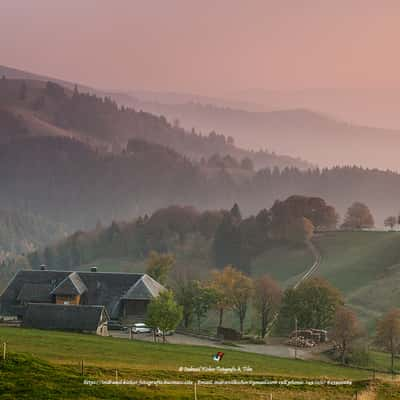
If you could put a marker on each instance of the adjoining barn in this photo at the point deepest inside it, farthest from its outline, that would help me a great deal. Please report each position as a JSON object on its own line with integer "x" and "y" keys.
{"x": 77, "y": 318}
{"x": 125, "y": 296}
{"x": 138, "y": 297}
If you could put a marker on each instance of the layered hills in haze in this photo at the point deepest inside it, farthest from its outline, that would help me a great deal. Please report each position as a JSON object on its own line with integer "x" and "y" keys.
{"x": 315, "y": 136}
{"x": 280, "y": 122}
{"x": 47, "y": 108}
{"x": 78, "y": 159}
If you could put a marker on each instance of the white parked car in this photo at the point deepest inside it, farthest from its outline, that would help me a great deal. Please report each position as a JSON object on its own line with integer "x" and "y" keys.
{"x": 140, "y": 328}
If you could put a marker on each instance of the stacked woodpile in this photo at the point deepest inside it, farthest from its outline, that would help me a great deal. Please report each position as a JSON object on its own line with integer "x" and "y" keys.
{"x": 307, "y": 337}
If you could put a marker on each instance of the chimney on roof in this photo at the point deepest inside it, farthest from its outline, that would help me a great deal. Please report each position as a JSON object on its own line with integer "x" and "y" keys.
{"x": 43, "y": 267}
{"x": 93, "y": 269}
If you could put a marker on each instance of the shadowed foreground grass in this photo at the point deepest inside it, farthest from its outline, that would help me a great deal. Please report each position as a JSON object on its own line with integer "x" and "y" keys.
{"x": 45, "y": 365}
{"x": 25, "y": 377}
{"x": 108, "y": 352}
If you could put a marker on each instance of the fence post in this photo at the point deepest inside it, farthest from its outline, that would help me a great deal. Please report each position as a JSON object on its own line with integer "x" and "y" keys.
{"x": 195, "y": 391}
{"x": 4, "y": 351}
{"x": 82, "y": 367}
{"x": 296, "y": 340}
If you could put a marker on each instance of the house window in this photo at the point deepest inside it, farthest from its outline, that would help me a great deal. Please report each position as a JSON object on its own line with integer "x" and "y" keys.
{"x": 68, "y": 299}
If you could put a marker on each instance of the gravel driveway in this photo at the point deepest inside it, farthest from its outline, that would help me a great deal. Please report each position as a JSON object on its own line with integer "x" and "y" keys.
{"x": 277, "y": 350}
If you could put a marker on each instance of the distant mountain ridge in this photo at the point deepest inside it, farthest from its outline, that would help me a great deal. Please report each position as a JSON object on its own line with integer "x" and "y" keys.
{"x": 52, "y": 162}
{"x": 293, "y": 129}
{"x": 14, "y": 73}
{"x": 365, "y": 106}
{"x": 129, "y": 95}
{"x": 315, "y": 136}
{"x": 48, "y": 108}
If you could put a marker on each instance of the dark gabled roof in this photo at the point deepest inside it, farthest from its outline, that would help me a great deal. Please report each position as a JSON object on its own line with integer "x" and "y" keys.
{"x": 9, "y": 298}
{"x": 102, "y": 288}
{"x": 71, "y": 285}
{"x": 64, "y": 317}
{"x": 35, "y": 292}
{"x": 107, "y": 288}
{"x": 146, "y": 288}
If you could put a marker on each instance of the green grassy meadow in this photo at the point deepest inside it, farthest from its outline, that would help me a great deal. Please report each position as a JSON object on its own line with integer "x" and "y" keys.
{"x": 46, "y": 365}
{"x": 108, "y": 352}
{"x": 364, "y": 266}
{"x": 283, "y": 262}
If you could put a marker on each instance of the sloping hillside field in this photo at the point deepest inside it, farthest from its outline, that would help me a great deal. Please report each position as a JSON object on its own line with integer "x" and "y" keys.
{"x": 47, "y": 365}
{"x": 364, "y": 266}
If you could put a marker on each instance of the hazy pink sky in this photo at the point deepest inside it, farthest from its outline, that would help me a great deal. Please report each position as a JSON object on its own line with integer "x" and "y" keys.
{"x": 205, "y": 46}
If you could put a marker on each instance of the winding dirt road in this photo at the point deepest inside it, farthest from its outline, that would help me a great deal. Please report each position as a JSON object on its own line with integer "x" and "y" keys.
{"x": 317, "y": 262}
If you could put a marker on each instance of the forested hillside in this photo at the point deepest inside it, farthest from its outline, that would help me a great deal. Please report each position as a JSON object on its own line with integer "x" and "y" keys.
{"x": 67, "y": 181}
{"x": 224, "y": 236}
{"x": 23, "y": 232}
{"x": 49, "y": 108}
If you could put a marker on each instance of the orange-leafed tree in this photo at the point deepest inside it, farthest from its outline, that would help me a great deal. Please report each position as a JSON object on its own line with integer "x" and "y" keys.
{"x": 388, "y": 333}
{"x": 241, "y": 295}
{"x": 346, "y": 328}
{"x": 222, "y": 283}
{"x": 267, "y": 298}
{"x": 358, "y": 216}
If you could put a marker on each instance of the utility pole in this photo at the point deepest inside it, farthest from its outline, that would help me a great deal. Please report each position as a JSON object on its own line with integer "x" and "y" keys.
{"x": 295, "y": 343}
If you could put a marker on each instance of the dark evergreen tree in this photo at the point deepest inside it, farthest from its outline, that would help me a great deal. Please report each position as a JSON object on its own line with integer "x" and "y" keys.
{"x": 49, "y": 257}
{"x": 34, "y": 260}
{"x": 227, "y": 241}
{"x": 236, "y": 214}
{"x": 22, "y": 91}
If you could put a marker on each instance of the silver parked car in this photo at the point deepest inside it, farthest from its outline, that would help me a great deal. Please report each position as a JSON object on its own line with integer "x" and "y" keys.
{"x": 140, "y": 327}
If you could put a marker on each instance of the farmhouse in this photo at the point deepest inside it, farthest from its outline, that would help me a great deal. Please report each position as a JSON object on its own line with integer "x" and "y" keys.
{"x": 60, "y": 296}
